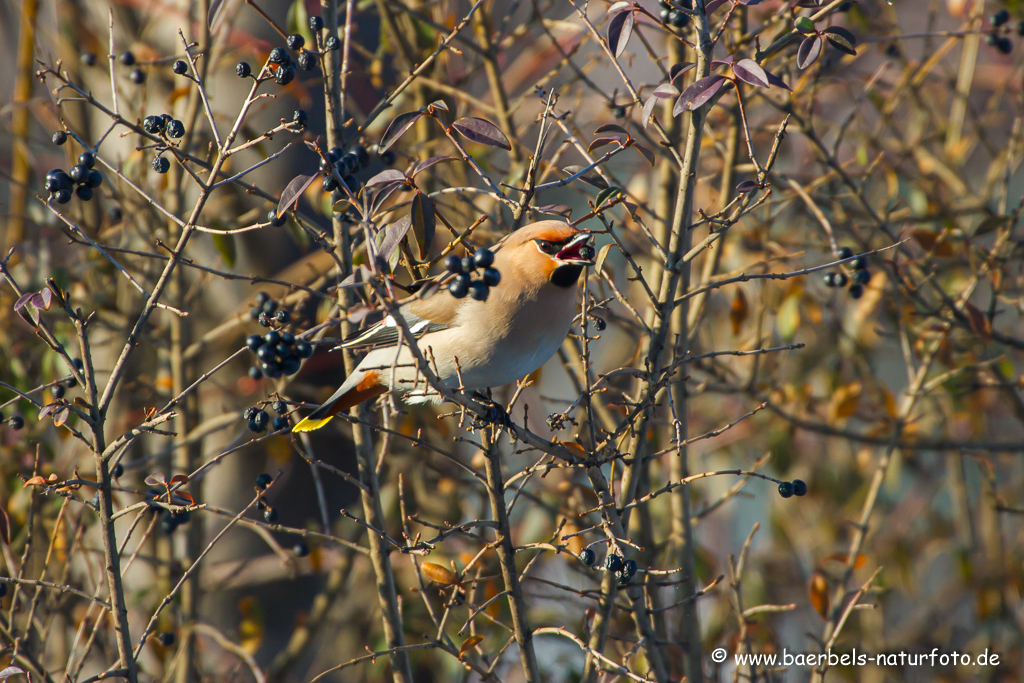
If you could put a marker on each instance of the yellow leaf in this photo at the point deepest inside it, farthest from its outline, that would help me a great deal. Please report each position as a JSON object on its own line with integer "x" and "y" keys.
{"x": 845, "y": 400}
{"x": 491, "y": 590}
{"x": 929, "y": 241}
{"x": 738, "y": 311}
{"x": 441, "y": 575}
{"x": 788, "y": 317}
{"x": 469, "y": 643}
{"x": 35, "y": 481}
{"x": 250, "y": 628}
{"x": 890, "y": 402}
{"x": 577, "y": 448}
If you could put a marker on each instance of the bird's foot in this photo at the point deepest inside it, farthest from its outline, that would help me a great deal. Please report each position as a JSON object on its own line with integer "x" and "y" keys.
{"x": 496, "y": 413}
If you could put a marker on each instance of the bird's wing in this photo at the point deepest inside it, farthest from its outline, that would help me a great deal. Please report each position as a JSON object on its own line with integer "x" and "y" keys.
{"x": 422, "y": 316}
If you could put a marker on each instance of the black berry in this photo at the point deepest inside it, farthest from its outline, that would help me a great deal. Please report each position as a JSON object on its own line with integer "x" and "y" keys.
{"x": 280, "y": 422}
{"x": 166, "y": 638}
{"x": 296, "y": 41}
{"x": 1000, "y": 17}
{"x": 362, "y": 156}
{"x": 300, "y": 549}
{"x": 84, "y": 192}
{"x": 127, "y": 58}
{"x": 459, "y": 287}
{"x": 255, "y": 373}
{"x": 316, "y": 23}
{"x": 841, "y": 280}
{"x": 786, "y": 489}
{"x": 468, "y": 264}
{"x": 280, "y": 407}
{"x": 275, "y": 220}
{"x": 89, "y": 58}
{"x": 62, "y": 196}
{"x": 618, "y": 111}
{"x": 57, "y": 390}
{"x": 479, "y": 290}
{"x": 283, "y": 317}
{"x": 600, "y": 324}
{"x": 263, "y": 481}
{"x": 862, "y": 277}
{"x": 175, "y": 129}
{"x": 333, "y": 44}
{"x": 254, "y": 341}
{"x": 491, "y": 277}
{"x": 137, "y": 76}
{"x": 799, "y": 487}
{"x": 161, "y": 165}
{"x": 16, "y": 422}
{"x": 154, "y": 125}
{"x": 613, "y": 563}
{"x": 830, "y": 279}
{"x": 180, "y": 67}
{"x": 845, "y": 253}
{"x": 272, "y": 338}
{"x": 59, "y": 138}
{"x": 856, "y": 291}
{"x": 243, "y": 70}
{"x": 588, "y": 557}
{"x": 271, "y": 515}
{"x": 300, "y": 118}
{"x": 387, "y": 157}
{"x": 284, "y": 75}
{"x": 1004, "y": 46}
{"x": 269, "y": 306}
{"x": 278, "y": 56}
{"x": 303, "y": 349}
{"x": 95, "y": 178}
{"x": 79, "y": 173}
{"x": 117, "y": 471}
{"x": 114, "y": 215}
{"x": 262, "y": 298}
{"x": 587, "y": 252}
{"x": 482, "y": 258}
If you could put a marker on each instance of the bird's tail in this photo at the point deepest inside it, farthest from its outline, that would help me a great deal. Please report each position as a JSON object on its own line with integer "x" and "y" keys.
{"x": 357, "y": 388}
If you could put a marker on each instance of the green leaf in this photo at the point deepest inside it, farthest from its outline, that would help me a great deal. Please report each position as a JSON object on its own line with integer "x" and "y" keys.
{"x": 804, "y": 25}
{"x": 298, "y": 22}
{"x": 225, "y": 245}
{"x": 606, "y": 194}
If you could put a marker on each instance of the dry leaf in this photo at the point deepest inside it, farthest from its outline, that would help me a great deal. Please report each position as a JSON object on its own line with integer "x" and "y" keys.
{"x": 576, "y": 448}
{"x": 817, "y": 590}
{"x": 441, "y": 575}
{"x": 35, "y": 481}
{"x": 845, "y": 400}
{"x": 469, "y": 643}
{"x": 738, "y": 311}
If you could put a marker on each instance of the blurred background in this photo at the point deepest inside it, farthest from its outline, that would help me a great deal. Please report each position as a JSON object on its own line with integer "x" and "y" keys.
{"x": 897, "y": 397}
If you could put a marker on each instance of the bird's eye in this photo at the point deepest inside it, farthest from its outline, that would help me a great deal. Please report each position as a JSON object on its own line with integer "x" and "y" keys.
{"x": 546, "y": 246}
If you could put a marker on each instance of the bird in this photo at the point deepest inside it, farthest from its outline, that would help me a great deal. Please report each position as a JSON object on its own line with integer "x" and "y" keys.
{"x": 470, "y": 343}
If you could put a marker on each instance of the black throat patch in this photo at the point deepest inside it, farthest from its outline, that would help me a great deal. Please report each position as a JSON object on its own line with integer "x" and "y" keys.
{"x": 566, "y": 276}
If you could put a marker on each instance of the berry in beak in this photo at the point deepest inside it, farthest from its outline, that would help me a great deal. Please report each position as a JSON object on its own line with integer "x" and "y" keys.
{"x": 578, "y": 250}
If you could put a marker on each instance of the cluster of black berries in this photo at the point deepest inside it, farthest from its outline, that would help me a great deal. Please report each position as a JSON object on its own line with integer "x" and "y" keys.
{"x": 338, "y": 163}
{"x": 259, "y": 419}
{"x": 137, "y": 76}
{"x": 861, "y": 275}
{"x": 14, "y": 422}
{"x": 998, "y": 37}
{"x": 168, "y": 128}
{"x": 83, "y": 179}
{"x": 316, "y": 24}
{"x": 788, "y": 489}
{"x": 280, "y": 353}
{"x": 463, "y": 269}
{"x": 672, "y": 15}
{"x": 266, "y": 311}
{"x": 270, "y": 514}
{"x": 624, "y": 570}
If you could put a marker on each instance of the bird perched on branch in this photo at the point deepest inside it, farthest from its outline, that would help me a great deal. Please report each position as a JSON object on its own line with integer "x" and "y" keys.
{"x": 473, "y": 343}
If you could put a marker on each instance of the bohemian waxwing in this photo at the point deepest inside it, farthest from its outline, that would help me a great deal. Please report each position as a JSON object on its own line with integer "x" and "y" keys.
{"x": 493, "y": 342}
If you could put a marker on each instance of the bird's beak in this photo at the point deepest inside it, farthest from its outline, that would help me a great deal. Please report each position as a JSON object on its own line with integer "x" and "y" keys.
{"x": 578, "y": 251}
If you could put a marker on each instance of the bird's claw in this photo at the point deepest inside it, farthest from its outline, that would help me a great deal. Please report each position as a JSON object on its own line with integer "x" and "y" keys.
{"x": 496, "y": 414}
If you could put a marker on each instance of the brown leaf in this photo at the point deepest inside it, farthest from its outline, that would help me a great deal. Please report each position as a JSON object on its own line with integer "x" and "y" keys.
{"x": 842, "y": 558}
{"x": 929, "y": 241}
{"x": 178, "y": 479}
{"x": 738, "y": 311}
{"x": 439, "y": 574}
{"x": 35, "y": 481}
{"x": 423, "y": 222}
{"x": 845, "y": 400}
{"x": 469, "y": 643}
{"x": 577, "y": 449}
{"x": 293, "y": 191}
{"x": 978, "y": 321}
{"x": 481, "y": 131}
{"x": 817, "y": 591}
{"x": 187, "y": 496}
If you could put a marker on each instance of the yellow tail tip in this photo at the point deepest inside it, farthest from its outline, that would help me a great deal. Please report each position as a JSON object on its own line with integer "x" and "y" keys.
{"x": 307, "y": 425}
